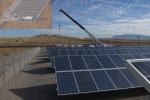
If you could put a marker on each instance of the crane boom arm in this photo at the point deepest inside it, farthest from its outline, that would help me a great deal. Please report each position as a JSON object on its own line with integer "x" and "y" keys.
{"x": 95, "y": 41}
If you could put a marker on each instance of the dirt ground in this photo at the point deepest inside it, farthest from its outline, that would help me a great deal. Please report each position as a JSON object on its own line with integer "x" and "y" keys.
{"x": 4, "y": 4}
{"x": 9, "y": 51}
{"x": 45, "y": 20}
{"x": 36, "y": 81}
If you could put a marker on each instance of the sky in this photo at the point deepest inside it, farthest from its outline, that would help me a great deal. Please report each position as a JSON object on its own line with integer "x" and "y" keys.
{"x": 103, "y": 18}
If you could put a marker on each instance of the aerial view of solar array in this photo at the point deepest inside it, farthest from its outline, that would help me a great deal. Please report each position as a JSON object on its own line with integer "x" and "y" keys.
{"x": 27, "y": 11}
{"x": 74, "y": 50}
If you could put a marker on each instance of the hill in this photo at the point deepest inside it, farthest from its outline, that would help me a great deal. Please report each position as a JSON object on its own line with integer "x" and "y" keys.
{"x": 131, "y": 37}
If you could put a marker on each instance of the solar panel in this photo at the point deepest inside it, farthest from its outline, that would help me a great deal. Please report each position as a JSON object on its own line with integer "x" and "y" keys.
{"x": 131, "y": 78}
{"x": 85, "y": 81}
{"x": 103, "y": 81}
{"x": 57, "y": 51}
{"x": 146, "y": 55}
{"x": 92, "y": 62}
{"x": 63, "y": 52}
{"x": 144, "y": 66}
{"x": 119, "y": 80}
{"x": 80, "y": 52}
{"x": 72, "y": 52}
{"x": 77, "y": 63}
{"x": 137, "y": 56}
{"x": 66, "y": 83}
{"x": 140, "y": 68}
{"x": 105, "y": 61}
{"x": 62, "y": 63}
{"x": 118, "y": 60}
{"x": 88, "y": 52}
{"x": 92, "y": 70}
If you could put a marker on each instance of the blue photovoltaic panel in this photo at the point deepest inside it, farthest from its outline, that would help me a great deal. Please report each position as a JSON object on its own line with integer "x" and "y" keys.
{"x": 93, "y": 69}
{"x": 132, "y": 51}
{"x": 139, "y": 68}
{"x": 88, "y": 52}
{"x": 146, "y": 55}
{"x": 92, "y": 62}
{"x": 105, "y": 61}
{"x": 54, "y": 53}
{"x": 63, "y": 52}
{"x": 66, "y": 83}
{"x": 77, "y": 63}
{"x": 124, "y": 51}
{"x": 102, "y": 80}
{"x": 109, "y": 51}
{"x": 125, "y": 57}
{"x": 62, "y": 63}
{"x": 85, "y": 81}
{"x": 131, "y": 78}
{"x": 80, "y": 52}
{"x": 118, "y": 60}
{"x": 119, "y": 80}
{"x": 137, "y": 56}
{"x": 144, "y": 66}
{"x": 118, "y": 51}
{"x": 96, "y": 52}
{"x": 103, "y": 51}
{"x": 72, "y": 52}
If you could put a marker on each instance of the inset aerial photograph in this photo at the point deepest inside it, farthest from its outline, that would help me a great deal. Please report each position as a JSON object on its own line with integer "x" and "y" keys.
{"x": 25, "y": 14}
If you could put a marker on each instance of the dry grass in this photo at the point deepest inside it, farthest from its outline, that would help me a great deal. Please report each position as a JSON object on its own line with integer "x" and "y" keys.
{"x": 46, "y": 40}
{"x": 9, "y": 51}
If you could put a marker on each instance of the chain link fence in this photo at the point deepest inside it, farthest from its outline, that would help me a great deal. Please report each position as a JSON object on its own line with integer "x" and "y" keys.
{"x": 12, "y": 64}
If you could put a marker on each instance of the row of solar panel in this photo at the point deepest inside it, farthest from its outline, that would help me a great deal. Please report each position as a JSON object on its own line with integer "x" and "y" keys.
{"x": 143, "y": 67}
{"x": 98, "y": 47}
{"x": 53, "y": 53}
{"x": 65, "y": 63}
{"x": 94, "y": 81}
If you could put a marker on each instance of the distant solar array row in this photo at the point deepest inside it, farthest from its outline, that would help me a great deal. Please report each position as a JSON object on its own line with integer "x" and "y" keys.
{"x": 92, "y": 71}
{"x": 53, "y": 52}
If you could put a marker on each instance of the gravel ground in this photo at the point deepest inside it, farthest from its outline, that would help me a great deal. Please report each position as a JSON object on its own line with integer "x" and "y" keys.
{"x": 36, "y": 81}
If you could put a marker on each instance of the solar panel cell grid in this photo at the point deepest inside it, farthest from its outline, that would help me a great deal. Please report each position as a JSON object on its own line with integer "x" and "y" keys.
{"x": 139, "y": 68}
{"x": 131, "y": 78}
{"x": 102, "y": 80}
{"x": 85, "y": 81}
{"x": 77, "y": 63}
{"x": 66, "y": 83}
{"x": 62, "y": 63}
{"x": 118, "y": 60}
{"x": 63, "y": 52}
{"x": 119, "y": 80}
{"x": 72, "y": 52}
{"x": 88, "y": 52}
{"x": 106, "y": 62}
{"x": 92, "y": 62}
{"x": 144, "y": 66}
{"x": 80, "y": 52}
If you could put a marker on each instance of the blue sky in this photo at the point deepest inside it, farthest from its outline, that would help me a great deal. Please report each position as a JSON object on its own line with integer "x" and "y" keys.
{"x": 103, "y": 18}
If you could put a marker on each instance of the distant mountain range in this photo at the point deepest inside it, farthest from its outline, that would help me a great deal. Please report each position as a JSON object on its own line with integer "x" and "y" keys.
{"x": 131, "y": 37}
